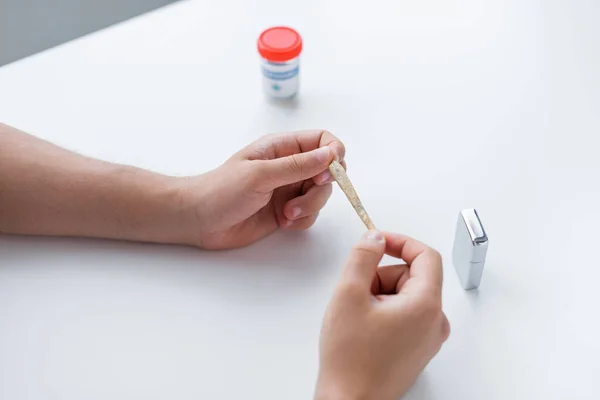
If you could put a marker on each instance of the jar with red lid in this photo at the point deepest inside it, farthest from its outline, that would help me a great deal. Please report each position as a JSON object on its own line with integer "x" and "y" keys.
{"x": 280, "y": 48}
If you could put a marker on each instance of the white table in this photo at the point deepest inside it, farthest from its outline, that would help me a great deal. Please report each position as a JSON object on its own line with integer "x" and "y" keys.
{"x": 442, "y": 105}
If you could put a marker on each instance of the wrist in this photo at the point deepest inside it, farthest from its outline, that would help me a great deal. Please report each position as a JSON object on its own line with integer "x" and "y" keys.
{"x": 148, "y": 206}
{"x": 195, "y": 207}
{"x": 178, "y": 216}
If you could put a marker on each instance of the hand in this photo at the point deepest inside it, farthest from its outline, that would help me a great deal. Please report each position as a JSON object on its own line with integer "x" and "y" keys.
{"x": 279, "y": 181}
{"x": 383, "y": 325}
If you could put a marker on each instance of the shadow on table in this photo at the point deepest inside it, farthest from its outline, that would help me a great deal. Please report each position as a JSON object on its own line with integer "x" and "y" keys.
{"x": 421, "y": 390}
{"x": 289, "y": 103}
{"x": 286, "y": 255}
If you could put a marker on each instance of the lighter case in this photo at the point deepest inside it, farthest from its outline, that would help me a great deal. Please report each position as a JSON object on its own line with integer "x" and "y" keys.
{"x": 470, "y": 249}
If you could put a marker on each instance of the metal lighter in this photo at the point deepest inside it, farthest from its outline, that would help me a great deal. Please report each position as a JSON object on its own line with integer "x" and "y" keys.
{"x": 470, "y": 248}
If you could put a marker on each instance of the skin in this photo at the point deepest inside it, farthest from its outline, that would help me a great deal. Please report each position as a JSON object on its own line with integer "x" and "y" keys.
{"x": 280, "y": 181}
{"x": 383, "y": 324}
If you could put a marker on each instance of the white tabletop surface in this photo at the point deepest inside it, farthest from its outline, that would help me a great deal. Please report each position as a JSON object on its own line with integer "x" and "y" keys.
{"x": 442, "y": 105}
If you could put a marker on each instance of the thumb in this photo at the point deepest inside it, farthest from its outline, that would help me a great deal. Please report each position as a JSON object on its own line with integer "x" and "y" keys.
{"x": 298, "y": 167}
{"x": 364, "y": 259}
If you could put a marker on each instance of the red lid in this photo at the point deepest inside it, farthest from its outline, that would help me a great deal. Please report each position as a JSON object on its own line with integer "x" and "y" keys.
{"x": 279, "y": 43}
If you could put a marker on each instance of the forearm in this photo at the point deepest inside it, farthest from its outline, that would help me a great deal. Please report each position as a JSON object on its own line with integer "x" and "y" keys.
{"x": 46, "y": 190}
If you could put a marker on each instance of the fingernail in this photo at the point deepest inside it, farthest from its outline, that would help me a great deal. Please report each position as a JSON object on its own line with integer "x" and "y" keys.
{"x": 323, "y": 154}
{"x": 287, "y": 223}
{"x": 374, "y": 236}
{"x": 325, "y": 177}
{"x": 296, "y": 211}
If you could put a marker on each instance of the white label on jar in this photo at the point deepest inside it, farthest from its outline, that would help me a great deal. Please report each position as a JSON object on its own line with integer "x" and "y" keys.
{"x": 280, "y": 79}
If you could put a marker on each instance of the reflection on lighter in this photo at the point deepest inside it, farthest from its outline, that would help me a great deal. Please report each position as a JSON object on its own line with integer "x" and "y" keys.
{"x": 470, "y": 249}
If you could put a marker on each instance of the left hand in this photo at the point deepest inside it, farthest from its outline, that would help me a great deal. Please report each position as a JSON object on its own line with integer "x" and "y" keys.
{"x": 279, "y": 181}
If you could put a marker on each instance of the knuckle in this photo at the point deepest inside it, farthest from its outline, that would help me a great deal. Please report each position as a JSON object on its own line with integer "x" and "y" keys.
{"x": 361, "y": 252}
{"x": 264, "y": 147}
{"x": 430, "y": 308}
{"x": 446, "y": 329}
{"x": 305, "y": 222}
{"x": 295, "y": 164}
{"x": 255, "y": 172}
{"x": 329, "y": 138}
{"x": 257, "y": 176}
{"x": 350, "y": 289}
{"x": 434, "y": 255}
{"x": 272, "y": 138}
{"x": 312, "y": 219}
{"x": 316, "y": 200}
{"x": 341, "y": 149}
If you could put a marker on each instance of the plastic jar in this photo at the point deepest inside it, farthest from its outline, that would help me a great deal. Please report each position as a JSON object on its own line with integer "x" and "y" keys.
{"x": 280, "y": 48}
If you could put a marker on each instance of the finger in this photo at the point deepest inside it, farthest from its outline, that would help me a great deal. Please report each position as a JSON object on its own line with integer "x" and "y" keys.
{"x": 308, "y": 204}
{"x": 312, "y": 139}
{"x": 293, "y": 168}
{"x": 301, "y": 224}
{"x": 325, "y": 177}
{"x": 279, "y": 145}
{"x": 362, "y": 263}
{"x": 389, "y": 279}
{"x": 425, "y": 263}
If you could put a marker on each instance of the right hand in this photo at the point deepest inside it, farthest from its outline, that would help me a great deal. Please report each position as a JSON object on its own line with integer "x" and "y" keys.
{"x": 383, "y": 325}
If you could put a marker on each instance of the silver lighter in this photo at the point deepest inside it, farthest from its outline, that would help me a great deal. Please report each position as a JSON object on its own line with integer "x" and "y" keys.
{"x": 470, "y": 248}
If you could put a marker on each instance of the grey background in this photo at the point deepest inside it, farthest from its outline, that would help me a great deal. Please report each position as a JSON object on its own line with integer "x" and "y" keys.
{"x": 30, "y": 26}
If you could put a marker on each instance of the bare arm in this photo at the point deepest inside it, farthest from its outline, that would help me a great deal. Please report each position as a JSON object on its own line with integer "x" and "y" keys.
{"x": 279, "y": 181}
{"x": 46, "y": 190}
